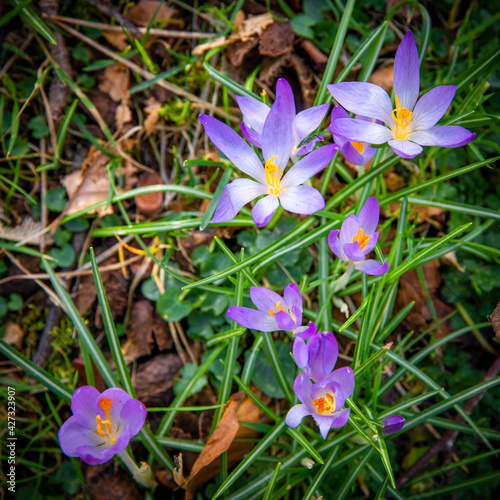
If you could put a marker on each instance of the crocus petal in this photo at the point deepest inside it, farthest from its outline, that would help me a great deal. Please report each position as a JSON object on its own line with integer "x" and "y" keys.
{"x": 324, "y": 424}
{"x": 355, "y": 157}
{"x": 406, "y": 72}
{"x": 285, "y": 94}
{"x": 446, "y": 136}
{"x": 361, "y": 131}
{"x": 122, "y": 441}
{"x": 250, "y": 318}
{"x": 277, "y": 136}
{"x": 94, "y": 456}
{"x": 284, "y": 321}
{"x": 353, "y": 252}
{"x": 371, "y": 243}
{"x": 307, "y": 121}
{"x": 72, "y": 435}
{"x": 332, "y": 243}
{"x": 372, "y": 267}
{"x": 302, "y": 388}
{"x": 364, "y": 99}
{"x": 296, "y": 414}
{"x": 264, "y": 299}
{"x": 254, "y": 112}
{"x": 341, "y": 418}
{"x": 345, "y": 378}
{"x": 339, "y": 112}
{"x": 302, "y": 200}
{"x": 323, "y": 354}
{"x": 82, "y": 405}
{"x": 292, "y": 296}
{"x": 392, "y": 424}
{"x": 369, "y": 215}
{"x": 300, "y": 353}
{"x": 349, "y": 229}
{"x": 234, "y": 147}
{"x": 133, "y": 414}
{"x": 251, "y": 135}
{"x": 432, "y": 106}
{"x": 118, "y": 398}
{"x": 307, "y": 147}
{"x": 405, "y": 149}
{"x": 309, "y": 165}
{"x": 235, "y": 196}
{"x": 264, "y": 209}
{"x": 305, "y": 332}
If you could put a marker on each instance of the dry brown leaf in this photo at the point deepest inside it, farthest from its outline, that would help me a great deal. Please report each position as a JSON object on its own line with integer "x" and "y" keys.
{"x": 152, "y": 115}
{"x": 142, "y": 13}
{"x": 450, "y": 259}
{"x": 29, "y": 232}
{"x": 117, "y": 39}
{"x": 384, "y": 77}
{"x": 495, "y": 320}
{"x": 123, "y": 115}
{"x": 115, "y": 82}
{"x": 13, "y": 335}
{"x": 140, "y": 331}
{"x": 276, "y": 40}
{"x": 149, "y": 203}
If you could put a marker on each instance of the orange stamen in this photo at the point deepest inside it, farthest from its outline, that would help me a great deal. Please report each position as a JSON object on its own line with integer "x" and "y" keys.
{"x": 325, "y": 405}
{"x": 361, "y": 238}
{"x": 402, "y": 117}
{"x": 273, "y": 176}
{"x": 358, "y": 146}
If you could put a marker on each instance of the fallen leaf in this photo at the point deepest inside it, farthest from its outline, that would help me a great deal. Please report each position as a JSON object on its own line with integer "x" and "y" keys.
{"x": 110, "y": 481}
{"x": 149, "y": 203}
{"x": 28, "y": 231}
{"x": 237, "y": 52}
{"x": 142, "y": 13}
{"x": 495, "y": 320}
{"x": 152, "y": 115}
{"x": 140, "y": 332}
{"x": 13, "y": 335}
{"x": 276, "y": 40}
{"x": 450, "y": 259}
{"x": 123, "y": 115}
{"x": 384, "y": 77}
{"x": 115, "y": 82}
{"x": 117, "y": 39}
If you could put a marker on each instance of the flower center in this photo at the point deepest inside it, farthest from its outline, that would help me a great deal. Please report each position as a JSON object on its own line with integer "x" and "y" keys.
{"x": 273, "y": 176}
{"x": 361, "y": 238}
{"x": 279, "y": 308}
{"x": 325, "y": 405}
{"x": 402, "y": 117}
{"x": 105, "y": 427}
{"x": 358, "y": 146}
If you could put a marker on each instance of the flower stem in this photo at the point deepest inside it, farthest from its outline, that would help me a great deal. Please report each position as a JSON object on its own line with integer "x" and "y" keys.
{"x": 142, "y": 475}
{"x": 339, "y": 285}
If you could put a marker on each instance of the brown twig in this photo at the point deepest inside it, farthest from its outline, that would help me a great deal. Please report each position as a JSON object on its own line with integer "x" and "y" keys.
{"x": 110, "y": 11}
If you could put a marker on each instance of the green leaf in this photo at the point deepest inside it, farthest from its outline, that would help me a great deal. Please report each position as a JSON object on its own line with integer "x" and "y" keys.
{"x": 55, "y": 199}
{"x": 15, "y": 302}
{"x": 64, "y": 256}
{"x": 187, "y": 372}
{"x": 170, "y": 308}
{"x": 39, "y": 127}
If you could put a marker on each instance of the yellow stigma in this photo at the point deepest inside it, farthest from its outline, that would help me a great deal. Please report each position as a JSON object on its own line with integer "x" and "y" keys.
{"x": 358, "y": 146}
{"x": 325, "y": 405}
{"x": 361, "y": 238}
{"x": 105, "y": 427}
{"x": 273, "y": 176}
{"x": 279, "y": 308}
{"x": 402, "y": 117}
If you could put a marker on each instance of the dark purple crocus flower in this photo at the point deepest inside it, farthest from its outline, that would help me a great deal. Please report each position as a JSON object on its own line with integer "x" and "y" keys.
{"x": 274, "y": 312}
{"x": 411, "y": 123}
{"x": 392, "y": 424}
{"x": 357, "y": 153}
{"x": 303, "y": 124}
{"x": 277, "y": 145}
{"x": 357, "y": 238}
{"x": 102, "y": 424}
{"x": 323, "y": 400}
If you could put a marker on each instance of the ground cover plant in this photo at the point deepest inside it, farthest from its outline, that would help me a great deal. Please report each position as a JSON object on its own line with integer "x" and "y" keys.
{"x": 249, "y": 250}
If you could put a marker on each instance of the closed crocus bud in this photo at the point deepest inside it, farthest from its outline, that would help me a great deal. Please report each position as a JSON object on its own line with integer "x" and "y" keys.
{"x": 393, "y": 424}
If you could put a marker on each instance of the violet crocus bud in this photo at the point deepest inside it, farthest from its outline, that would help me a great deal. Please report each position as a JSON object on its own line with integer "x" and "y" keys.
{"x": 392, "y": 424}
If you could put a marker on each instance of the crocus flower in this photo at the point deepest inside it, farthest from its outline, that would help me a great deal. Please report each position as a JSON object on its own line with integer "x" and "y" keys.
{"x": 101, "y": 425}
{"x": 269, "y": 180}
{"x": 303, "y": 124}
{"x": 323, "y": 400}
{"x": 357, "y": 238}
{"x": 358, "y": 153}
{"x": 274, "y": 311}
{"x": 392, "y": 424}
{"x": 411, "y": 123}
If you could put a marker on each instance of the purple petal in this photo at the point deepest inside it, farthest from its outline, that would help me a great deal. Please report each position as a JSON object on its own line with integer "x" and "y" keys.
{"x": 71, "y": 435}
{"x": 349, "y": 229}
{"x": 133, "y": 414}
{"x": 302, "y": 200}
{"x": 304, "y": 332}
{"x": 364, "y": 99}
{"x": 351, "y": 154}
{"x": 251, "y": 136}
{"x": 341, "y": 418}
{"x": 264, "y": 299}
{"x": 284, "y": 321}
{"x": 122, "y": 441}
{"x": 234, "y": 147}
{"x": 405, "y": 149}
{"x": 307, "y": 121}
{"x": 372, "y": 241}
{"x": 277, "y": 136}
{"x": 309, "y": 165}
{"x": 254, "y": 112}
{"x": 307, "y": 147}
{"x": 432, "y": 106}
{"x": 345, "y": 378}
{"x": 333, "y": 241}
{"x": 82, "y": 405}
{"x": 235, "y": 196}
{"x": 392, "y": 424}
{"x": 250, "y": 318}
{"x": 339, "y": 112}
{"x": 302, "y": 388}
{"x": 446, "y": 136}
{"x": 292, "y": 296}
{"x": 118, "y": 398}
{"x": 296, "y": 414}
{"x": 264, "y": 209}
{"x": 353, "y": 252}
{"x": 323, "y": 354}
{"x": 300, "y": 353}
{"x": 360, "y": 131}
{"x": 406, "y": 72}
{"x": 369, "y": 215}
{"x": 324, "y": 424}
{"x": 94, "y": 456}
{"x": 285, "y": 94}
{"x": 372, "y": 267}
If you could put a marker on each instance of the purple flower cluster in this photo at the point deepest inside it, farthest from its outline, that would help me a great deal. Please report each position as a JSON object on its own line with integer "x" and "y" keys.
{"x": 321, "y": 390}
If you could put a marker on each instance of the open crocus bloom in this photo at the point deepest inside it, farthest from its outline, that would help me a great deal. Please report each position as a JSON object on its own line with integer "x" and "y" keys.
{"x": 357, "y": 238}
{"x": 269, "y": 179}
{"x": 323, "y": 400}
{"x": 274, "y": 311}
{"x": 303, "y": 124}
{"x": 411, "y": 123}
{"x": 101, "y": 425}
{"x": 392, "y": 424}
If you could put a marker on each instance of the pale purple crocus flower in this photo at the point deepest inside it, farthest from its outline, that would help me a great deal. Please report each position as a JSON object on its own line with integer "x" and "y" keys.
{"x": 102, "y": 424}
{"x": 357, "y": 238}
{"x": 392, "y": 424}
{"x": 411, "y": 122}
{"x": 274, "y": 312}
{"x": 303, "y": 124}
{"x": 357, "y": 153}
{"x": 269, "y": 181}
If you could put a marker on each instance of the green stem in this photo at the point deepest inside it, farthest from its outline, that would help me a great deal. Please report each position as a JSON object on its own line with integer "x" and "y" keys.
{"x": 142, "y": 475}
